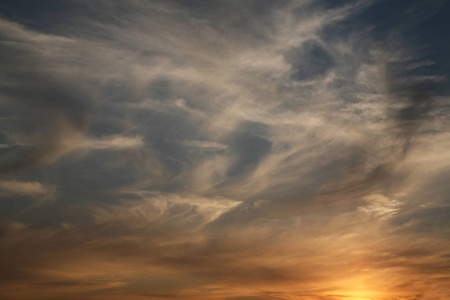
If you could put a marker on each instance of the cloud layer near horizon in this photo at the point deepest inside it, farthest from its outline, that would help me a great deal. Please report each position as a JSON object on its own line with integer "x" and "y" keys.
{"x": 223, "y": 150}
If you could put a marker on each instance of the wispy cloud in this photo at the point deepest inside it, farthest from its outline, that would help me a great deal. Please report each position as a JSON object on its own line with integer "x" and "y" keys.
{"x": 380, "y": 206}
{"x": 30, "y": 188}
{"x": 223, "y": 150}
{"x": 41, "y": 194}
{"x": 205, "y": 145}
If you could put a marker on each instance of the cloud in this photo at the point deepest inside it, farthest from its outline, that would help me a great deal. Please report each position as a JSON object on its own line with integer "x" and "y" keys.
{"x": 116, "y": 142}
{"x": 205, "y": 145}
{"x": 154, "y": 207}
{"x": 24, "y": 188}
{"x": 13, "y": 190}
{"x": 380, "y": 206}
{"x": 54, "y": 110}
{"x": 158, "y": 244}
{"x": 223, "y": 150}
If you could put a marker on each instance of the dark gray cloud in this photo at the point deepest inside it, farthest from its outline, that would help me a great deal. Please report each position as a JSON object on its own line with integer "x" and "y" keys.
{"x": 37, "y": 104}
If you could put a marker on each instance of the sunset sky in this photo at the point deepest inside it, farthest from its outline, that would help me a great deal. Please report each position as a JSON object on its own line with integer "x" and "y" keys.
{"x": 225, "y": 149}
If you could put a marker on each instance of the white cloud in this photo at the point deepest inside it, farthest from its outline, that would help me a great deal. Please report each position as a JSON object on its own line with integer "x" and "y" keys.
{"x": 157, "y": 207}
{"x": 206, "y": 145}
{"x": 380, "y": 206}
{"x": 115, "y": 142}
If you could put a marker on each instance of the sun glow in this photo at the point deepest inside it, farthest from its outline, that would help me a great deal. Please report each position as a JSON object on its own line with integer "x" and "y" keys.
{"x": 355, "y": 296}
{"x": 357, "y": 289}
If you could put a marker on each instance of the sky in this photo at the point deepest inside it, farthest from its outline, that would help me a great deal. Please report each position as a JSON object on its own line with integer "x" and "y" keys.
{"x": 225, "y": 149}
